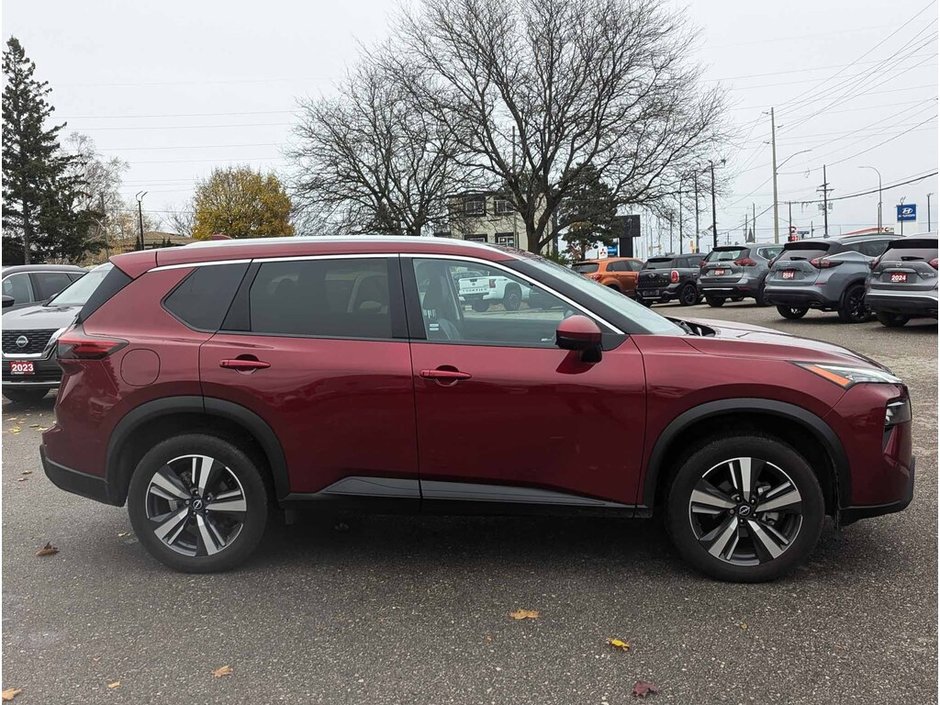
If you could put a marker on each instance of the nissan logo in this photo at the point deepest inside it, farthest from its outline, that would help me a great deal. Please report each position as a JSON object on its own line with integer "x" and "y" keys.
{"x": 744, "y": 510}
{"x": 22, "y": 341}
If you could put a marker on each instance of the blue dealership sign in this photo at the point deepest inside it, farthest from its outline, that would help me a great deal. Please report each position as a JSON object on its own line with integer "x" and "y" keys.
{"x": 907, "y": 211}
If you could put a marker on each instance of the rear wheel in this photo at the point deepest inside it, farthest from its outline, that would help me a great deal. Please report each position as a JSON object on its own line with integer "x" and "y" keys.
{"x": 688, "y": 295}
{"x": 715, "y": 301}
{"x": 853, "y": 308}
{"x": 792, "y": 312}
{"x": 892, "y": 320}
{"x": 198, "y": 503}
{"x": 745, "y": 508}
{"x": 25, "y": 395}
{"x": 479, "y": 305}
{"x": 512, "y": 299}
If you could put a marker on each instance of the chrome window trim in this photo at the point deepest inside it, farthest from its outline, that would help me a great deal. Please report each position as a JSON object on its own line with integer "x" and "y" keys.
{"x": 418, "y": 255}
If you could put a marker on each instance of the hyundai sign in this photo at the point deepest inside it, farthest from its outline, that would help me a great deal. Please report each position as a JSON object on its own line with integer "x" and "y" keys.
{"x": 907, "y": 211}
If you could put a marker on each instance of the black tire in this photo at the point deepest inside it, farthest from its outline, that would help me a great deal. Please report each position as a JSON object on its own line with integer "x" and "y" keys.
{"x": 479, "y": 305}
{"x": 892, "y": 320}
{"x": 852, "y": 308}
{"x": 235, "y": 472}
{"x": 750, "y": 558}
{"x": 759, "y": 298}
{"x": 737, "y": 298}
{"x": 512, "y": 298}
{"x": 688, "y": 295}
{"x": 715, "y": 301}
{"x": 792, "y": 312}
{"x": 24, "y": 395}
{"x": 644, "y": 302}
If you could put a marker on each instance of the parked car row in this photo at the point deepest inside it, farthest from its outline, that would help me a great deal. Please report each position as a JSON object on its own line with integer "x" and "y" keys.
{"x": 883, "y": 275}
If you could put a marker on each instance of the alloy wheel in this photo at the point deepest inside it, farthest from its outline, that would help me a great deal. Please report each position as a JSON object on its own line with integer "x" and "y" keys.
{"x": 196, "y": 505}
{"x": 855, "y": 308}
{"x": 745, "y": 511}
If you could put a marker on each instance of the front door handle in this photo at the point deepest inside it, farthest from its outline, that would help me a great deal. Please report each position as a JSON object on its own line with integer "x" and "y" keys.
{"x": 244, "y": 364}
{"x": 445, "y": 374}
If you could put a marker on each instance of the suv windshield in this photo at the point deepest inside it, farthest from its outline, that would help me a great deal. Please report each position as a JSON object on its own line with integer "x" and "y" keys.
{"x": 660, "y": 263}
{"x": 652, "y": 322}
{"x": 78, "y": 292}
{"x": 585, "y": 267}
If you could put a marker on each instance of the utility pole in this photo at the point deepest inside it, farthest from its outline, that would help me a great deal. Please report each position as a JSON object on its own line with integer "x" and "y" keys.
{"x": 928, "y": 211}
{"x": 671, "y": 248}
{"x": 698, "y": 232}
{"x": 714, "y": 209}
{"x": 790, "y": 223}
{"x": 680, "y": 217}
{"x": 902, "y": 215}
{"x": 879, "y": 195}
{"x": 773, "y": 156}
{"x": 140, "y": 219}
{"x": 825, "y": 192}
{"x": 754, "y": 221}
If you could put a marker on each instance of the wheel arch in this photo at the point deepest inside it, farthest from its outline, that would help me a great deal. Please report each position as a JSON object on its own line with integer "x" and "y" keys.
{"x": 782, "y": 419}
{"x": 146, "y": 424}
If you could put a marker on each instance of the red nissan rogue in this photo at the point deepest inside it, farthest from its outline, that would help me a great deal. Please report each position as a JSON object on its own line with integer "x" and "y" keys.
{"x": 210, "y": 385}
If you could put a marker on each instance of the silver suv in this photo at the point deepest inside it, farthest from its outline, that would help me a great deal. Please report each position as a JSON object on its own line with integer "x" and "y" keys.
{"x": 903, "y": 281}
{"x": 825, "y": 274}
{"x": 735, "y": 271}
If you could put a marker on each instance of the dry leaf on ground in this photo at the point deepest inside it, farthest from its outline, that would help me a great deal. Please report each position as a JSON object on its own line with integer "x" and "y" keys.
{"x": 223, "y": 671}
{"x": 643, "y": 688}
{"x": 15, "y": 430}
{"x": 524, "y": 614}
{"x": 26, "y": 472}
{"x": 35, "y": 425}
{"x": 619, "y": 644}
{"x": 122, "y": 534}
{"x": 22, "y": 479}
{"x": 10, "y": 693}
{"x": 47, "y": 550}
{"x": 116, "y": 684}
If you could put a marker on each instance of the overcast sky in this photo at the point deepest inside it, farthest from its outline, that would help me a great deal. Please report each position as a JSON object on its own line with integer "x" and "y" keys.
{"x": 175, "y": 88}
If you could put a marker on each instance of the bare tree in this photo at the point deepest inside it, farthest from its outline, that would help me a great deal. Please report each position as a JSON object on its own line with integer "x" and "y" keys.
{"x": 535, "y": 90}
{"x": 180, "y": 220}
{"x": 369, "y": 161}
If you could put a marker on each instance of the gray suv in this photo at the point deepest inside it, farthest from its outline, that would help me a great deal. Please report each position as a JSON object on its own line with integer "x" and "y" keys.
{"x": 736, "y": 271}
{"x": 903, "y": 281}
{"x": 825, "y": 274}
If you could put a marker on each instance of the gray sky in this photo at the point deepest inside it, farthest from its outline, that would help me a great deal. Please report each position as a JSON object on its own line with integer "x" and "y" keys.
{"x": 176, "y": 88}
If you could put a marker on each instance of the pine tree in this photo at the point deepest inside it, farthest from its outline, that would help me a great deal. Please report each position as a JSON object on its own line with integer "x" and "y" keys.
{"x": 33, "y": 164}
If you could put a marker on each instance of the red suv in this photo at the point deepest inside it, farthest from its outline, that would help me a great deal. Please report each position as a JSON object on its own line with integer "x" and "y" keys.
{"x": 208, "y": 385}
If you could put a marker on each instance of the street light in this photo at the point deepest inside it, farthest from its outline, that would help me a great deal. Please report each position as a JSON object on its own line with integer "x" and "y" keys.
{"x": 879, "y": 193}
{"x": 140, "y": 218}
{"x": 776, "y": 169}
{"x": 901, "y": 215}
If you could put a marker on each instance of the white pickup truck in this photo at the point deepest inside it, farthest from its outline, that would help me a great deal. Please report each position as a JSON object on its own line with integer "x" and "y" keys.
{"x": 481, "y": 291}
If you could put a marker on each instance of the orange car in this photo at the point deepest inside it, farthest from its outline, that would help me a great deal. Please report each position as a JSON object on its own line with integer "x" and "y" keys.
{"x": 616, "y": 272}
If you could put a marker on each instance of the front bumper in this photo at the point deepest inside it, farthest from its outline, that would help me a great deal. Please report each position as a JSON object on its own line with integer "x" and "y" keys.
{"x": 654, "y": 293}
{"x": 90, "y": 486}
{"x": 908, "y": 304}
{"x": 850, "y": 515}
{"x": 47, "y": 375}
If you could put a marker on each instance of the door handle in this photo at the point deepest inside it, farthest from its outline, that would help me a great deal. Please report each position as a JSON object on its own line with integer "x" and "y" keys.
{"x": 244, "y": 364}
{"x": 445, "y": 374}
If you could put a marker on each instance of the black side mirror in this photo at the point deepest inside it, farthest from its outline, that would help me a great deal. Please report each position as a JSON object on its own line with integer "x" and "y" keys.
{"x": 7, "y": 301}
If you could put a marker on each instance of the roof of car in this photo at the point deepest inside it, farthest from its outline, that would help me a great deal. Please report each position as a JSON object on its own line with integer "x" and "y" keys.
{"x": 42, "y": 268}
{"x": 135, "y": 263}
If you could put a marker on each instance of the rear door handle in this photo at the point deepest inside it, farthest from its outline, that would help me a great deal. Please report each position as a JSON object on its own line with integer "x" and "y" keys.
{"x": 244, "y": 365}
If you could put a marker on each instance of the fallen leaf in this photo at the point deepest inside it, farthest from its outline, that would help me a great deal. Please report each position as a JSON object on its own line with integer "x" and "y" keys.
{"x": 35, "y": 425}
{"x": 643, "y": 688}
{"x": 524, "y": 614}
{"x": 10, "y": 693}
{"x": 15, "y": 430}
{"x": 26, "y": 472}
{"x": 116, "y": 684}
{"x": 47, "y": 550}
{"x": 223, "y": 671}
{"x": 743, "y": 625}
{"x": 619, "y": 644}
{"x": 22, "y": 479}
{"x": 122, "y": 534}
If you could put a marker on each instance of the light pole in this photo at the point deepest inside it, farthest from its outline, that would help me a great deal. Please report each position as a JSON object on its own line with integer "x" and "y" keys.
{"x": 140, "y": 218}
{"x": 776, "y": 170}
{"x": 928, "y": 211}
{"x": 879, "y": 193}
{"x": 901, "y": 215}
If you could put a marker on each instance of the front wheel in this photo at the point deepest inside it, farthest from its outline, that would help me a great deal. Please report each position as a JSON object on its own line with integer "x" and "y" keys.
{"x": 688, "y": 296}
{"x": 792, "y": 312}
{"x": 745, "y": 508}
{"x": 198, "y": 503}
{"x": 892, "y": 320}
{"x": 853, "y": 308}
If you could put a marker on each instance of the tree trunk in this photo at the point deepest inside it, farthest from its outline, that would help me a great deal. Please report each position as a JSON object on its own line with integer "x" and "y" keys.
{"x": 27, "y": 232}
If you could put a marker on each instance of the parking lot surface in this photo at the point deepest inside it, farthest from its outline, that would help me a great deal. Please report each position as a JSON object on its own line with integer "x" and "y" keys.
{"x": 416, "y": 610}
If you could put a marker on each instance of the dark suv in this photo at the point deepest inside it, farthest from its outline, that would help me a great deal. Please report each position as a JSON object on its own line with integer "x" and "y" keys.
{"x": 207, "y": 385}
{"x": 670, "y": 278}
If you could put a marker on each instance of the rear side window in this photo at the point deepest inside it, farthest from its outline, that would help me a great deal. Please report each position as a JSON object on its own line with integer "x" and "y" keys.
{"x": 19, "y": 287}
{"x": 769, "y": 252}
{"x": 202, "y": 299}
{"x": 618, "y": 266}
{"x": 726, "y": 255}
{"x": 331, "y": 298}
{"x": 50, "y": 284}
{"x": 585, "y": 267}
{"x": 114, "y": 281}
{"x": 872, "y": 248}
{"x": 806, "y": 250}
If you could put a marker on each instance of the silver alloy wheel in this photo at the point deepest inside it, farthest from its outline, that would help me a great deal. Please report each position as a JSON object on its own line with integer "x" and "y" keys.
{"x": 745, "y": 511}
{"x": 197, "y": 505}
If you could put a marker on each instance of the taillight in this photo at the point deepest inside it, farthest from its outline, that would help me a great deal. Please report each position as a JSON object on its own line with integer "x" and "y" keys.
{"x": 824, "y": 262}
{"x": 933, "y": 263}
{"x": 597, "y": 276}
{"x": 674, "y": 276}
{"x": 75, "y": 344}
{"x": 492, "y": 283}
{"x": 745, "y": 262}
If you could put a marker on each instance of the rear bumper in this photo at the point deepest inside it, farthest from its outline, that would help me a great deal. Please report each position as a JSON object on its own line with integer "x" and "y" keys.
{"x": 748, "y": 288}
{"x": 909, "y": 304}
{"x": 849, "y": 515}
{"x": 800, "y": 297}
{"x": 90, "y": 486}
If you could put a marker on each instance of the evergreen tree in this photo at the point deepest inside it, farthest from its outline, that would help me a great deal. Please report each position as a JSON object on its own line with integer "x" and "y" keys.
{"x": 586, "y": 213}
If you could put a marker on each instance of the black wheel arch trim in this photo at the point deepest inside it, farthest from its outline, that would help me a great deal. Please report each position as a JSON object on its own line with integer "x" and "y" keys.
{"x": 115, "y": 477}
{"x": 813, "y": 423}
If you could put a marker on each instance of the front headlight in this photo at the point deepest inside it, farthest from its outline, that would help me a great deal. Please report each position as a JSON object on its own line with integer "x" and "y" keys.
{"x": 845, "y": 377}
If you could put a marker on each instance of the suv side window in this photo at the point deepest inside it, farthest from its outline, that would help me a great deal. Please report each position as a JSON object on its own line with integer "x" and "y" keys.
{"x": 326, "y": 298}
{"x": 617, "y": 266}
{"x": 514, "y": 312}
{"x": 202, "y": 299}
{"x": 19, "y": 287}
{"x": 49, "y": 284}
{"x": 636, "y": 265}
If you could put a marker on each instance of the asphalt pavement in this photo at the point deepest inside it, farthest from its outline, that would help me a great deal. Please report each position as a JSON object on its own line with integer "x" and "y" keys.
{"x": 416, "y": 610}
